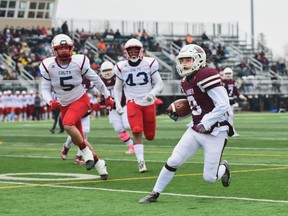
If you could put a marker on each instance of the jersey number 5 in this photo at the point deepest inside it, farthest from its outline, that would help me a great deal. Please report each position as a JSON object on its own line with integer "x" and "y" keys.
{"x": 66, "y": 87}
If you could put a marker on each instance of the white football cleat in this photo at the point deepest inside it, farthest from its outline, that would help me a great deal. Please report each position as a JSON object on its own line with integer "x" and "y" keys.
{"x": 102, "y": 169}
{"x": 142, "y": 167}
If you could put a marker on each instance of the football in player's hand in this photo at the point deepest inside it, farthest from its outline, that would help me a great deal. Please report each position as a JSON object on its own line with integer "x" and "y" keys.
{"x": 179, "y": 107}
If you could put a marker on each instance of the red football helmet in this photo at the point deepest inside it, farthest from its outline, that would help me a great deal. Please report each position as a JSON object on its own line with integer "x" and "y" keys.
{"x": 59, "y": 43}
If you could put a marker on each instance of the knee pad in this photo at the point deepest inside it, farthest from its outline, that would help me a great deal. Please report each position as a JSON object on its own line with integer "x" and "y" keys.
{"x": 124, "y": 136}
{"x": 174, "y": 161}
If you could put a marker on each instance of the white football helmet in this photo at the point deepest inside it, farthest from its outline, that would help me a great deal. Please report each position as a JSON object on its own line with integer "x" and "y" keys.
{"x": 198, "y": 59}
{"x": 228, "y": 73}
{"x": 133, "y": 43}
{"x": 23, "y": 92}
{"x": 17, "y": 93}
{"x": 1, "y": 93}
{"x": 62, "y": 40}
{"x": 106, "y": 70}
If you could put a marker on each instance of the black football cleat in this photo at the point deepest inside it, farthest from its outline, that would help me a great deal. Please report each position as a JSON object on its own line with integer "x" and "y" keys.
{"x": 89, "y": 164}
{"x": 226, "y": 178}
{"x": 152, "y": 197}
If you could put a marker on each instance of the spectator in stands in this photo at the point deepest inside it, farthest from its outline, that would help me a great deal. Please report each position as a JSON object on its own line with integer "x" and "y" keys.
{"x": 105, "y": 33}
{"x": 204, "y": 36}
{"x": 117, "y": 34}
{"x": 102, "y": 47}
{"x": 144, "y": 38}
{"x": 137, "y": 34}
{"x": 64, "y": 28}
{"x": 263, "y": 59}
{"x": 189, "y": 39}
{"x": 275, "y": 84}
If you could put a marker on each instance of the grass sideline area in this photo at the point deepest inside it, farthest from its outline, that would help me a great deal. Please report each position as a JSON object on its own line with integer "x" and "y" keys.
{"x": 35, "y": 181}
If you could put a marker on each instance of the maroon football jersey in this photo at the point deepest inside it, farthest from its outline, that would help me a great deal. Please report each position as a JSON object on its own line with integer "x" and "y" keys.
{"x": 231, "y": 88}
{"x": 110, "y": 86}
{"x": 195, "y": 88}
{"x": 86, "y": 83}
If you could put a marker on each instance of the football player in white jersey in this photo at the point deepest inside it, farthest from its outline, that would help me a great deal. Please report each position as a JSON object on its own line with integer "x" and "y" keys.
{"x": 119, "y": 122}
{"x": 209, "y": 127}
{"x": 138, "y": 76}
{"x": 64, "y": 74}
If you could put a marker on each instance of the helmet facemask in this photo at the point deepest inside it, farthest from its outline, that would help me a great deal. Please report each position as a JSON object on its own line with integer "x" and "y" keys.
{"x": 62, "y": 53}
{"x": 133, "y": 54}
{"x": 133, "y": 50}
{"x": 63, "y": 47}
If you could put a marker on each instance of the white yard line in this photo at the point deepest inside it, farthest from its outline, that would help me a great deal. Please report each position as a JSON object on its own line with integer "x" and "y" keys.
{"x": 133, "y": 160}
{"x": 174, "y": 194}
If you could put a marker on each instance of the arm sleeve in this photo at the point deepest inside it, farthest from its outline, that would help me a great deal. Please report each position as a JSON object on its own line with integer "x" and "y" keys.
{"x": 158, "y": 84}
{"x": 221, "y": 102}
{"x": 118, "y": 91}
{"x": 46, "y": 90}
{"x": 97, "y": 81}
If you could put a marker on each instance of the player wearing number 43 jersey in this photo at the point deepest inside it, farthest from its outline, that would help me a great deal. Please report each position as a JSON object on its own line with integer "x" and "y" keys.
{"x": 64, "y": 74}
{"x": 209, "y": 127}
{"x": 141, "y": 81}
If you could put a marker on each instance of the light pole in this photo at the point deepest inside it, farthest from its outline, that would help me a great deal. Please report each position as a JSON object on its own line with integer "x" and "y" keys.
{"x": 252, "y": 25}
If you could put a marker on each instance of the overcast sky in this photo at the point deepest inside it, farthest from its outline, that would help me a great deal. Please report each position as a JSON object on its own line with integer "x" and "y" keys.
{"x": 270, "y": 16}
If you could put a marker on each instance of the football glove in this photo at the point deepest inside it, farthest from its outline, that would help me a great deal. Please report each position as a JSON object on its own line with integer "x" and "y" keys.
{"x": 109, "y": 102}
{"x": 55, "y": 104}
{"x": 172, "y": 115}
{"x": 150, "y": 97}
{"x": 119, "y": 109}
{"x": 200, "y": 128}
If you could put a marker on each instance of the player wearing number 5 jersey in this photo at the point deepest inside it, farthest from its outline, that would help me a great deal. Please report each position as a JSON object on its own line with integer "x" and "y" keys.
{"x": 64, "y": 74}
{"x": 138, "y": 76}
{"x": 209, "y": 126}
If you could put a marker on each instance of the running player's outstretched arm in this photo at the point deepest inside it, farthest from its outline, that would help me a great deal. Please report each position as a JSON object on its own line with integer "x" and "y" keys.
{"x": 97, "y": 81}
{"x": 158, "y": 83}
{"x": 46, "y": 90}
{"x": 118, "y": 95}
{"x": 46, "y": 87}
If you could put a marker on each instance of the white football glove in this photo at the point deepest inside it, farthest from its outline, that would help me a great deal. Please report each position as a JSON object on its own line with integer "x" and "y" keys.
{"x": 150, "y": 97}
{"x": 119, "y": 109}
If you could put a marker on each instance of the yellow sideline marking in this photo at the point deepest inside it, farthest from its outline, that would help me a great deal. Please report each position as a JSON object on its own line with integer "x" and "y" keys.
{"x": 126, "y": 179}
{"x": 147, "y": 152}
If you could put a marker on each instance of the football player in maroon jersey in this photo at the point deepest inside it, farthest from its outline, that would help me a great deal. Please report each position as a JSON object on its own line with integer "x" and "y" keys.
{"x": 233, "y": 93}
{"x": 209, "y": 127}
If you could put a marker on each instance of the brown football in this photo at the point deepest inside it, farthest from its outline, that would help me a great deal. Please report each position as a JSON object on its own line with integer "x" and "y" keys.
{"x": 181, "y": 107}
